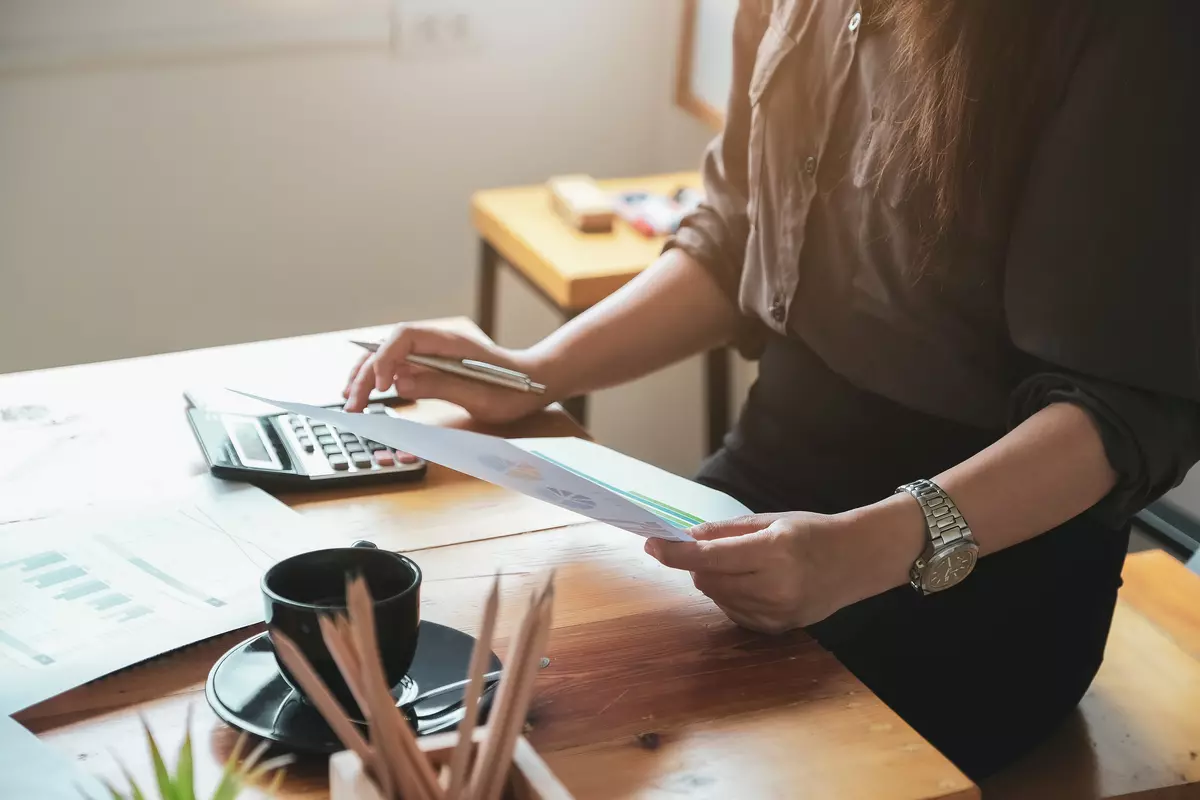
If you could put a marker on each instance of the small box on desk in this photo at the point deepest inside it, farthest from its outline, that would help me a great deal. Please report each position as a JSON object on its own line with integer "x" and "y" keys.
{"x": 529, "y": 778}
{"x": 581, "y": 203}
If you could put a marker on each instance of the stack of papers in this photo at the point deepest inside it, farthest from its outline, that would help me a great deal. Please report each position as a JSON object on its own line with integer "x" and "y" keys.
{"x": 85, "y": 594}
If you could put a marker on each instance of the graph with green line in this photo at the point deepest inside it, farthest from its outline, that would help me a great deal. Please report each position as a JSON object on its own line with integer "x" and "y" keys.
{"x": 675, "y": 517}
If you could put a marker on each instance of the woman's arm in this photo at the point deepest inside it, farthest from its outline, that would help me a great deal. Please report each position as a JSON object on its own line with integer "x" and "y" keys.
{"x": 1046, "y": 471}
{"x": 669, "y": 312}
{"x": 781, "y": 571}
{"x": 672, "y": 310}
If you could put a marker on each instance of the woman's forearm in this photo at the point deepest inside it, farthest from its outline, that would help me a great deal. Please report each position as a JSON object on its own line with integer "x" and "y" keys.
{"x": 672, "y": 310}
{"x": 1043, "y": 473}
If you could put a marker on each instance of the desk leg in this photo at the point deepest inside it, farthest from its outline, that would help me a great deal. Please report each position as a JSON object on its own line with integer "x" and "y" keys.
{"x": 717, "y": 390}
{"x": 577, "y": 407}
{"x": 489, "y": 262}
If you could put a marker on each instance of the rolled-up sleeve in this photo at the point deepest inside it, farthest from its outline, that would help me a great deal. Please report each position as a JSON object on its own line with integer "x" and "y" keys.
{"x": 1103, "y": 273}
{"x": 1151, "y": 439}
{"x": 716, "y": 233}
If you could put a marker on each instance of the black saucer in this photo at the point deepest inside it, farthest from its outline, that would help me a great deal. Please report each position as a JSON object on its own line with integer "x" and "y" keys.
{"x": 246, "y": 690}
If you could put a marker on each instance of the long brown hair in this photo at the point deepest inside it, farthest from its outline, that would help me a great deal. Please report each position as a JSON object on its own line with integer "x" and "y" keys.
{"x": 975, "y": 98}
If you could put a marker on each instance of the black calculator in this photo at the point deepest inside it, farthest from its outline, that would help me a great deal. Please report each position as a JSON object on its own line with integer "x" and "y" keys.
{"x": 290, "y": 451}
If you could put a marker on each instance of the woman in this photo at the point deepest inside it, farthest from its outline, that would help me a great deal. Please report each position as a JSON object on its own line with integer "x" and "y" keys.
{"x": 962, "y": 239}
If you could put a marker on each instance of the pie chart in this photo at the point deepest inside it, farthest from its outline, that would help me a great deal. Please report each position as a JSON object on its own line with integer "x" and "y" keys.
{"x": 566, "y": 499}
{"x": 515, "y": 469}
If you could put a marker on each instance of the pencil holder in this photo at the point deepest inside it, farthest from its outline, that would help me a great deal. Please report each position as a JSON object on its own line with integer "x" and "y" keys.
{"x": 528, "y": 779}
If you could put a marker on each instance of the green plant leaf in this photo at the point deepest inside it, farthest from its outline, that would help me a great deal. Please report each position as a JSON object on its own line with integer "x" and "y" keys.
{"x": 228, "y": 790}
{"x": 166, "y": 789}
{"x": 275, "y": 765}
{"x": 185, "y": 779}
{"x": 112, "y": 792}
{"x": 135, "y": 791}
{"x": 230, "y": 783}
{"x": 252, "y": 760}
{"x": 276, "y": 782}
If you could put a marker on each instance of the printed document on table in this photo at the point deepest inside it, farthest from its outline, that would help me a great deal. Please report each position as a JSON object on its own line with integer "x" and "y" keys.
{"x": 85, "y": 594}
{"x": 504, "y": 463}
{"x": 30, "y": 768}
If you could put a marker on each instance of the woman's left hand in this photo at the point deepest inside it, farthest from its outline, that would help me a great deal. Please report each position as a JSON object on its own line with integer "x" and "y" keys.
{"x": 769, "y": 572}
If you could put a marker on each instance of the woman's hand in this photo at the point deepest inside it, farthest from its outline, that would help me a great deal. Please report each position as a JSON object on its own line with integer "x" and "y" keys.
{"x": 387, "y": 367}
{"x": 766, "y": 572}
{"x": 775, "y": 572}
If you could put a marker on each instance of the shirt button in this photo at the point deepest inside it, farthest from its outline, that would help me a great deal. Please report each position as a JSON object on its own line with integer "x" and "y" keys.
{"x": 778, "y": 312}
{"x": 855, "y": 21}
{"x": 810, "y": 165}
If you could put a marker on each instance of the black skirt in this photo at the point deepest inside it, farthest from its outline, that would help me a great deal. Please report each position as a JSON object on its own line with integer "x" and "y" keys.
{"x": 983, "y": 671}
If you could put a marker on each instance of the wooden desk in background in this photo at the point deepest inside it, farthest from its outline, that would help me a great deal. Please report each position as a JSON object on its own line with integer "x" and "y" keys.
{"x": 650, "y": 691}
{"x": 574, "y": 271}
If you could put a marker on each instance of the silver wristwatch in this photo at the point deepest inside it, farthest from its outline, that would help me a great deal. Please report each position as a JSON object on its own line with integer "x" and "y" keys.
{"x": 951, "y": 551}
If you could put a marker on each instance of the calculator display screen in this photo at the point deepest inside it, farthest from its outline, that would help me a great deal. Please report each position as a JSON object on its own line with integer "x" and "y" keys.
{"x": 250, "y": 442}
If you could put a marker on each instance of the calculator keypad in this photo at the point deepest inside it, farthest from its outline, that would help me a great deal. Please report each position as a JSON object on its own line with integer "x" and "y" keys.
{"x": 326, "y": 451}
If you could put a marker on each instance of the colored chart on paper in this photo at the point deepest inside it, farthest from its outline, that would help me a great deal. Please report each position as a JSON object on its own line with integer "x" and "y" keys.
{"x": 86, "y": 593}
{"x": 667, "y": 513}
{"x": 515, "y": 469}
{"x": 677, "y": 501}
{"x": 568, "y": 499}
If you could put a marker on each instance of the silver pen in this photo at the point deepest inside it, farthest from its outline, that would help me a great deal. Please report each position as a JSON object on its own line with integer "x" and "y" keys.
{"x": 470, "y": 368}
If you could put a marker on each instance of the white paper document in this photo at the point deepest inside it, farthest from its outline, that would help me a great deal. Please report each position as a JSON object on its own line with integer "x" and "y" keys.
{"x": 85, "y": 594}
{"x": 678, "y": 500}
{"x": 33, "y": 770}
{"x": 566, "y": 483}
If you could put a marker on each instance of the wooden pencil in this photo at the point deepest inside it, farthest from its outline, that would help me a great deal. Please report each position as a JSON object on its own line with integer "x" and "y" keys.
{"x": 505, "y": 697}
{"x": 336, "y": 633}
{"x": 316, "y": 691}
{"x": 397, "y": 739}
{"x": 460, "y": 758}
{"x": 510, "y": 727}
{"x": 392, "y": 757}
{"x": 521, "y": 660}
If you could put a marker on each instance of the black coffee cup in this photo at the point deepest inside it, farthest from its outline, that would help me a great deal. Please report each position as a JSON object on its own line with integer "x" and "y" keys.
{"x": 299, "y": 590}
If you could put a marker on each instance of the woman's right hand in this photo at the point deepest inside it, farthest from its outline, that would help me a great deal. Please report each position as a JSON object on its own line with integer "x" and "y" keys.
{"x": 388, "y": 366}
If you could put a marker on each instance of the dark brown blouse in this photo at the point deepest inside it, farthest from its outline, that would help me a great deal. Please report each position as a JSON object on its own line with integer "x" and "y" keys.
{"x": 1087, "y": 292}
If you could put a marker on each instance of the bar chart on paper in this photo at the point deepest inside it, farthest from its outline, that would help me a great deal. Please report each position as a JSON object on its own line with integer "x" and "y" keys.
{"x": 58, "y": 601}
{"x": 81, "y": 596}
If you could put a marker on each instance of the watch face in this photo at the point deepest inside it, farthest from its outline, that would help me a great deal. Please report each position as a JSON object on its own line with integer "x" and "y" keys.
{"x": 949, "y": 568}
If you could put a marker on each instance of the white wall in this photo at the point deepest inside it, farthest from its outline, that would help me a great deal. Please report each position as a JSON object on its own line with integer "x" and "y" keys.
{"x": 201, "y": 201}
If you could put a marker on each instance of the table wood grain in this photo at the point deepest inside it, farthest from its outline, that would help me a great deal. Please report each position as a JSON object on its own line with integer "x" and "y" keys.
{"x": 650, "y": 691}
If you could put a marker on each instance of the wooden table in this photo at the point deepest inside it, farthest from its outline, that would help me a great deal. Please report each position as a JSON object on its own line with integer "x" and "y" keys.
{"x": 573, "y": 271}
{"x": 650, "y": 691}
{"x": 1136, "y": 733}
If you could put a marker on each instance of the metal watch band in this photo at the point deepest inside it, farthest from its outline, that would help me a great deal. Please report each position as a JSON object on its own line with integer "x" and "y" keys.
{"x": 942, "y": 518}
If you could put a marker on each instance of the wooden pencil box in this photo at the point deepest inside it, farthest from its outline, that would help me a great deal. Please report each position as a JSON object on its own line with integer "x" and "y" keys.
{"x": 529, "y": 778}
